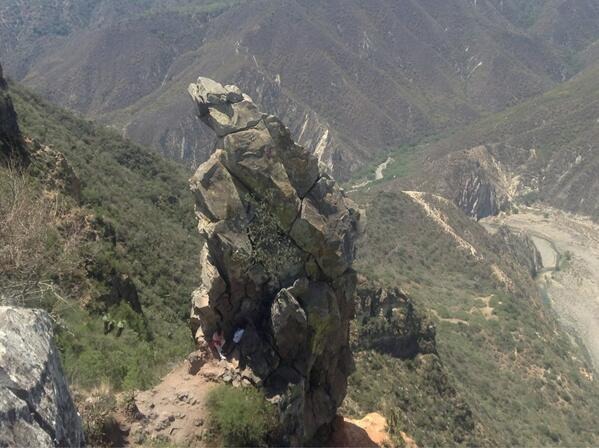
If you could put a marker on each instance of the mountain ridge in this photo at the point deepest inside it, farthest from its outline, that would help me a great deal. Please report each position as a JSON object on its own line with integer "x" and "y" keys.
{"x": 443, "y": 66}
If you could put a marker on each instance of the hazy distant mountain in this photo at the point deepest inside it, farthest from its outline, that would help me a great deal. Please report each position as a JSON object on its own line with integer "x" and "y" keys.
{"x": 352, "y": 79}
{"x": 543, "y": 149}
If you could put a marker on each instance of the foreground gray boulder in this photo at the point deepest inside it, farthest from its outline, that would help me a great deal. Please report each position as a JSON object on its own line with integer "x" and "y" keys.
{"x": 36, "y": 408}
{"x": 279, "y": 248}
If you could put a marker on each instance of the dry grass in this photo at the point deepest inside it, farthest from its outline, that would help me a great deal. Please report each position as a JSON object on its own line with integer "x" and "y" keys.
{"x": 39, "y": 244}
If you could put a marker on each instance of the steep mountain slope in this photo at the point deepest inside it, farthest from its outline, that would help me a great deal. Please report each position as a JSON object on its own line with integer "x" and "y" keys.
{"x": 522, "y": 377}
{"x": 545, "y": 149}
{"x": 395, "y": 343}
{"x": 352, "y": 79}
{"x": 570, "y": 24}
{"x": 136, "y": 262}
{"x": 571, "y": 275}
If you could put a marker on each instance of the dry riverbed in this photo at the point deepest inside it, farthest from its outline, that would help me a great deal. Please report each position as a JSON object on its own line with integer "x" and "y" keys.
{"x": 569, "y": 246}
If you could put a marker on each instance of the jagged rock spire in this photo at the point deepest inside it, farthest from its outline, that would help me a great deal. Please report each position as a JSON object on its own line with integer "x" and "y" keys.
{"x": 279, "y": 248}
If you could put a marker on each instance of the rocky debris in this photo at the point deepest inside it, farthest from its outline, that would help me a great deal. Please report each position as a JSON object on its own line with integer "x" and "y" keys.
{"x": 279, "y": 246}
{"x": 386, "y": 321}
{"x": 36, "y": 408}
{"x": 174, "y": 411}
{"x": 196, "y": 360}
{"x": 11, "y": 142}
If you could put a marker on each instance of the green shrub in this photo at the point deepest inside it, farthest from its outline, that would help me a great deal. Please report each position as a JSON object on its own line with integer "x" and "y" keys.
{"x": 98, "y": 415}
{"x": 241, "y": 416}
{"x": 136, "y": 220}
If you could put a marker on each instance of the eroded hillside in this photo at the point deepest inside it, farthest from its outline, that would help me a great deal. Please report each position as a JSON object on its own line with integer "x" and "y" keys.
{"x": 570, "y": 281}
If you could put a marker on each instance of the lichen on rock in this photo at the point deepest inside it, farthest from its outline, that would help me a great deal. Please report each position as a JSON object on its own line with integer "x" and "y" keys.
{"x": 36, "y": 408}
{"x": 279, "y": 245}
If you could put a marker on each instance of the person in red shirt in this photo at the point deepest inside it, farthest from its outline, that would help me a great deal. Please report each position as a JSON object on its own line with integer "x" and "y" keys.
{"x": 218, "y": 341}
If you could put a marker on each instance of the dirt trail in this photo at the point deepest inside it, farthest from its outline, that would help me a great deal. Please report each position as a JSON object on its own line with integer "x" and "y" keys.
{"x": 572, "y": 288}
{"x": 174, "y": 410}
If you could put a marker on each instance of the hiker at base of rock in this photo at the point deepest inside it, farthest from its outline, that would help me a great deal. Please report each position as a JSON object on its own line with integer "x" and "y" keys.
{"x": 238, "y": 335}
{"x": 218, "y": 341}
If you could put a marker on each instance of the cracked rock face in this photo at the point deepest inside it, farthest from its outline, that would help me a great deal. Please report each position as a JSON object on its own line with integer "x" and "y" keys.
{"x": 36, "y": 408}
{"x": 278, "y": 259}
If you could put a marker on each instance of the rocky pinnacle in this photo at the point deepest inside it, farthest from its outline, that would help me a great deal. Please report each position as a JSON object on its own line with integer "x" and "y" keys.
{"x": 279, "y": 245}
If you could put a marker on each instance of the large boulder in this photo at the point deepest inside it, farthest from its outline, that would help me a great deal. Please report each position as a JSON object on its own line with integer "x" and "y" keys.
{"x": 36, "y": 408}
{"x": 279, "y": 246}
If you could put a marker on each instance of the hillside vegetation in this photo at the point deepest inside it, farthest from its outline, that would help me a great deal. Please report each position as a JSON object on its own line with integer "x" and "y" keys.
{"x": 350, "y": 78}
{"x": 136, "y": 261}
{"x": 526, "y": 382}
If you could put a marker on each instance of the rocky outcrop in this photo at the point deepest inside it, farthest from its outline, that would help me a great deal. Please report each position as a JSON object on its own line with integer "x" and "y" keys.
{"x": 475, "y": 180}
{"x": 386, "y": 321}
{"x": 36, "y": 408}
{"x": 11, "y": 142}
{"x": 395, "y": 349}
{"x": 279, "y": 246}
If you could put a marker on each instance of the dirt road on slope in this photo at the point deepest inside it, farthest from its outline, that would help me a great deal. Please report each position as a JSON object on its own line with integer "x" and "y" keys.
{"x": 569, "y": 246}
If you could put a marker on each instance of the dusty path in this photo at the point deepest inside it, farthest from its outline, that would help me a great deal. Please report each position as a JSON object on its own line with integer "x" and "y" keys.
{"x": 174, "y": 413}
{"x": 174, "y": 410}
{"x": 572, "y": 288}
